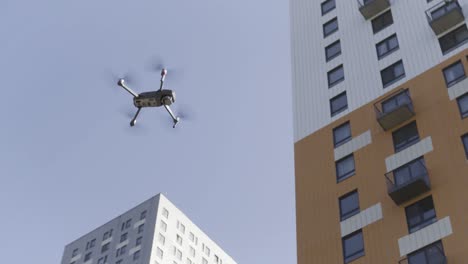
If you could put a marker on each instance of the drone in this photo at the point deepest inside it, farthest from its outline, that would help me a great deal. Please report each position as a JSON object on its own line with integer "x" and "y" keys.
{"x": 161, "y": 97}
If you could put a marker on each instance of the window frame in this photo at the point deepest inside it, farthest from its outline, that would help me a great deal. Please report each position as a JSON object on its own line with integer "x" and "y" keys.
{"x": 337, "y": 81}
{"x": 452, "y": 35}
{"x": 458, "y": 79}
{"x": 395, "y": 77}
{"x": 328, "y": 10}
{"x": 463, "y": 115}
{"x": 348, "y": 174}
{"x": 385, "y": 42}
{"x": 381, "y": 17}
{"x": 329, "y": 22}
{"x": 331, "y": 46}
{"x": 343, "y": 141}
{"x": 425, "y": 222}
{"x": 353, "y": 211}
{"x": 407, "y": 142}
{"x": 339, "y": 110}
{"x": 425, "y": 249}
{"x": 357, "y": 254}
{"x": 465, "y": 146}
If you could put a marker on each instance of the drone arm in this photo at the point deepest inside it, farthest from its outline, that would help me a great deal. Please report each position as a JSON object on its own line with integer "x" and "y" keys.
{"x": 163, "y": 76}
{"x": 175, "y": 119}
{"x": 121, "y": 83}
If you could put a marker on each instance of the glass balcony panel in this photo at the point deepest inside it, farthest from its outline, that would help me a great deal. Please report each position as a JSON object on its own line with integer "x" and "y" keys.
{"x": 444, "y": 16}
{"x": 394, "y": 109}
{"x": 370, "y": 8}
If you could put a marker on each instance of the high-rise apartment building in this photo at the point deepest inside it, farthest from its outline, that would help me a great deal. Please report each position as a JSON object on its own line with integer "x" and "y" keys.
{"x": 381, "y": 136}
{"x": 154, "y": 232}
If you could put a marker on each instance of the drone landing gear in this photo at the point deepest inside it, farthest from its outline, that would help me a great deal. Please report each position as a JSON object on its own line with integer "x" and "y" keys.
{"x": 132, "y": 123}
{"x": 175, "y": 119}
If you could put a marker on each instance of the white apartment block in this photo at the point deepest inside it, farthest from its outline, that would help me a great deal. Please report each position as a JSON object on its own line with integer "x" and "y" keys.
{"x": 154, "y": 232}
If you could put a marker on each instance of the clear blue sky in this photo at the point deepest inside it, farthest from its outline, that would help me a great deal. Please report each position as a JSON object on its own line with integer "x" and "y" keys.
{"x": 69, "y": 162}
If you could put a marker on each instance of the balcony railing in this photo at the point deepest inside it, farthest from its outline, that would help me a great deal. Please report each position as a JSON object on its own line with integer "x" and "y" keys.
{"x": 436, "y": 255}
{"x": 444, "y": 16}
{"x": 408, "y": 181}
{"x": 394, "y": 109}
{"x": 370, "y": 8}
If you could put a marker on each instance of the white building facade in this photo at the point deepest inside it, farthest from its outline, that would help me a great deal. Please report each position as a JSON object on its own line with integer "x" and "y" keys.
{"x": 154, "y": 232}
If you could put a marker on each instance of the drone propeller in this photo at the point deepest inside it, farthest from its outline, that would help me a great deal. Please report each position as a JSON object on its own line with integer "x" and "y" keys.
{"x": 157, "y": 65}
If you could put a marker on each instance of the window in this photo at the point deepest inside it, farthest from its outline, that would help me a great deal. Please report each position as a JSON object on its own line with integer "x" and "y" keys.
{"x": 335, "y": 76}
{"x": 141, "y": 228}
{"x": 179, "y": 240}
{"x": 74, "y": 253}
{"x": 405, "y": 136}
{"x": 138, "y": 241}
{"x": 178, "y": 254}
{"x": 192, "y": 251}
{"x": 161, "y": 239}
{"x": 87, "y": 256}
{"x": 105, "y": 247}
{"x": 143, "y": 215}
{"x": 90, "y": 244}
{"x": 119, "y": 261}
{"x": 204, "y": 261}
{"x": 189, "y": 261}
{"x": 123, "y": 237}
{"x": 121, "y": 251}
{"x": 159, "y": 253}
{"x": 163, "y": 226}
{"x": 420, "y": 214}
{"x": 387, "y": 46}
{"x": 136, "y": 255}
{"x": 463, "y": 105}
{"x": 191, "y": 237}
{"x": 382, "y": 21}
{"x": 433, "y": 253}
{"x": 353, "y": 246}
{"x": 349, "y": 205}
{"x": 328, "y": 6}
{"x": 128, "y": 223}
{"x": 181, "y": 227}
{"x": 338, "y": 104}
{"x": 443, "y": 10}
{"x": 330, "y": 27}
{"x": 216, "y": 258}
{"x": 409, "y": 171}
{"x": 206, "y": 249}
{"x": 453, "y": 39}
{"x": 341, "y": 134}
{"x": 333, "y": 50}
{"x": 165, "y": 213}
{"x": 102, "y": 260}
{"x": 454, "y": 73}
{"x": 392, "y": 73}
{"x": 107, "y": 235}
{"x": 465, "y": 144}
{"x": 345, "y": 168}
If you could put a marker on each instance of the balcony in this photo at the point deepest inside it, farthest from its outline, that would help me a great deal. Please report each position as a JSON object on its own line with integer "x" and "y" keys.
{"x": 444, "y": 16}
{"x": 370, "y": 8}
{"x": 408, "y": 181}
{"x": 394, "y": 109}
{"x": 433, "y": 254}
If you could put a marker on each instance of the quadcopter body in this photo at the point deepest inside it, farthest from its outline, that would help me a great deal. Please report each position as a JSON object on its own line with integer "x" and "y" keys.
{"x": 161, "y": 97}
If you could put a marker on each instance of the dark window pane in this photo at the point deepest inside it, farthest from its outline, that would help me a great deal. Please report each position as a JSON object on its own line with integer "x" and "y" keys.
{"x": 465, "y": 144}
{"x": 333, "y": 50}
{"x": 463, "y": 105}
{"x": 420, "y": 214}
{"x": 330, "y": 27}
{"x": 432, "y": 254}
{"x": 453, "y": 39}
{"x": 405, "y": 137}
{"x": 392, "y": 73}
{"x": 387, "y": 46}
{"x": 382, "y": 21}
{"x": 328, "y": 6}
{"x": 335, "y": 76}
{"x": 338, "y": 104}
{"x": 353, "y": 246}
{"x": 345, "y": 168}
{"x": 341, "y": 134}
{"x": 454, "y": 73}
{"x": 349, "y": 205}
{"x": 396, "y": 101}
